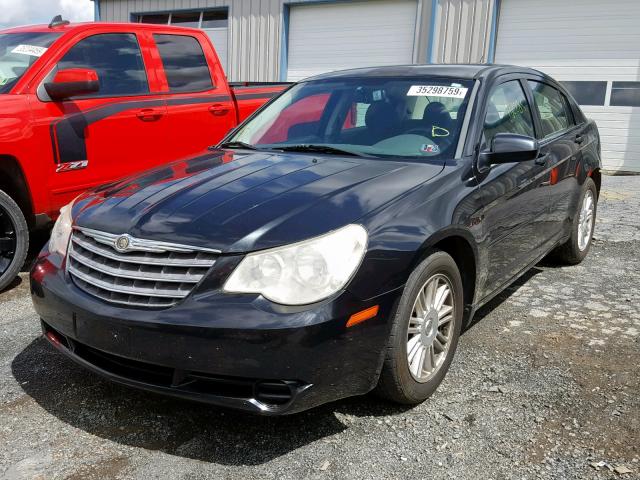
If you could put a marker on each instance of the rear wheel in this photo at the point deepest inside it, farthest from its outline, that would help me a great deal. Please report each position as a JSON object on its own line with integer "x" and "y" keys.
{"x": 425, "y": 331}
{"x": 14, "y": 239}
{"x": 578, "y": 245}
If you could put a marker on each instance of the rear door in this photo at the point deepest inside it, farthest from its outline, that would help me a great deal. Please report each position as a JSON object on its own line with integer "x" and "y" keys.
{"x": 560, "y": 143}
{"x": 513, "y": 194}
{"x": 201, "y": 109}
{"x": 101, "y": 137}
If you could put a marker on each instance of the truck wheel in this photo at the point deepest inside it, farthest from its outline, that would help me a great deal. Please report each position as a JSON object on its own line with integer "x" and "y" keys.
{"x": 14, "y": 239}
{"x": 425, "y": 332}
{"x": 584, "y": 221}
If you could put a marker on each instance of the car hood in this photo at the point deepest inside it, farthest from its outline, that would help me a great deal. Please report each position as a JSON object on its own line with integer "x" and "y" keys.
{"x": 240, "y": 202}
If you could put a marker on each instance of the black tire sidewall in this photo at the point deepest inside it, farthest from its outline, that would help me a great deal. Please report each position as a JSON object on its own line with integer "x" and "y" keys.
{"x": 22, "y": 239}
{"x": 436, "y": 263}
{"x": 576, "y": 254}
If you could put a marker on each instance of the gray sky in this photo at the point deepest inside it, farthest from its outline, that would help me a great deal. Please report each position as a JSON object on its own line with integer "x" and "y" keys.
{"x": 24, "y": 12}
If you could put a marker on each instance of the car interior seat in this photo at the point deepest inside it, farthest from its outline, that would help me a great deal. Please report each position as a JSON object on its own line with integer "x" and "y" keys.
{"x": 382, "y": 121}
{"x": 436, "y": 120}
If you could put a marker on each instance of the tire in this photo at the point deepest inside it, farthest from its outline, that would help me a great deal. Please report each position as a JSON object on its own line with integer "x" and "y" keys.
{"x": 397, "y": 381}
{"x": 14, "y": 240}
{"x": 576, "y": 248}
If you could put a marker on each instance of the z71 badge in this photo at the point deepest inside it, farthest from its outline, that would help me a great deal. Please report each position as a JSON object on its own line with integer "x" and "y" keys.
{"x": 68, "y": 166}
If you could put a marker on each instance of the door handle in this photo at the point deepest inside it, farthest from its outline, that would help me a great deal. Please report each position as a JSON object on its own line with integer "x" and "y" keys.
{"x": 542, "y": 159}
{"x": 149, "y": 114}
{"x": 579, "y": 139}
{"x": 219, "y": 110}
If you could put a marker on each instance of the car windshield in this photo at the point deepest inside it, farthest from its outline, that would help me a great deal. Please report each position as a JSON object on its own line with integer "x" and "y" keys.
{"x": 376, "y": 117}
{"x": 18, "y": 51}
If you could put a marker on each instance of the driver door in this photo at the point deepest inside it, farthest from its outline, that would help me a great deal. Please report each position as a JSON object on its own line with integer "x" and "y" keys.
{"x": 513, "y": 194}
{"x": 100, "y": 137}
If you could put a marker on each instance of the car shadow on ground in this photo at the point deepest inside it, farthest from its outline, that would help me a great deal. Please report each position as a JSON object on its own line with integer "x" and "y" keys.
{"x": 203, "y": 432}
{"x": 506, "y": 294}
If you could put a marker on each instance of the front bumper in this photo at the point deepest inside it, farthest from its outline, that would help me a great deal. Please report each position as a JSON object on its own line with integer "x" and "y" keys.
{"x": 238, "y": 351}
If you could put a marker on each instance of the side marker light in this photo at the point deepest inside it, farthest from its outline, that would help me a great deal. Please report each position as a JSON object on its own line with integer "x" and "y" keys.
{"x": 363, "y": 315}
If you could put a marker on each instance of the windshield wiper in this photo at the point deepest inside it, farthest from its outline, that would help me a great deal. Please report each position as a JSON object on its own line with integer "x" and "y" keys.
{"x": 307, "y": 147}
{"x": 234, "y": 144}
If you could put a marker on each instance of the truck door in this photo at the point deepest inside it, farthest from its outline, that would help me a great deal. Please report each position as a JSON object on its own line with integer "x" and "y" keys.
{"x": 103, "y": 136}
{"x": 201, "y": 109}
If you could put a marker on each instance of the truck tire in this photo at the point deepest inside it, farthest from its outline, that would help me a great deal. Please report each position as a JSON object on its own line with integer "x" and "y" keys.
{"x": 425, "y": 332}
{"x": 14, "y": 240}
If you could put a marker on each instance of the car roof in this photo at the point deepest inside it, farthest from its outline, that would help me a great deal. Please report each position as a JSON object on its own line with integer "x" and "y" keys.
{"x": 70, "y": 27}
{"x": 464, "y": 71}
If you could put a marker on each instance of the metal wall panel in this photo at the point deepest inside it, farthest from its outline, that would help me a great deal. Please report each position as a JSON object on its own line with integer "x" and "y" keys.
{"x": 254, "y": 30}
{"x": 462, "y": 31}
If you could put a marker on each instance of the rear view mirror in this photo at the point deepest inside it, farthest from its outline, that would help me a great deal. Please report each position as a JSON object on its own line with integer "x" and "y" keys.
{"x": 72, "y": 82}
{"x": 508, "y": 148}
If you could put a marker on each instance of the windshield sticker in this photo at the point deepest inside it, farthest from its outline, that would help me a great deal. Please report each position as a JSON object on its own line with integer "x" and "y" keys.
{"x": 437, "y": 91}
{"x": 31, "y": 50}
{"x": 3, "y": 81}
{"x": 431, "y": 148}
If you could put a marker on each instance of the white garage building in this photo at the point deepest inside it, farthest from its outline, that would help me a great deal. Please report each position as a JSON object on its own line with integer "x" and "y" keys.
{"x": 591, "y": 45}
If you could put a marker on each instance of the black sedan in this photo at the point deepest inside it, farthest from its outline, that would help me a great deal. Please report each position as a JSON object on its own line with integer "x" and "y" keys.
{"x": 335, "y": 243}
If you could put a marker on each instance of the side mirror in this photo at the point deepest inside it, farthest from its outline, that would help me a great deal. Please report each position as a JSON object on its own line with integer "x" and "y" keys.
{"x": 508, "y": 148}
{"x": 72, "y": 83}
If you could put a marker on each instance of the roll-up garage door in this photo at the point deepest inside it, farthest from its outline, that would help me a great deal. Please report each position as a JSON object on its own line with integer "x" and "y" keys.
{"x": 335, "y": 36}
{"x": 594, "y": 48}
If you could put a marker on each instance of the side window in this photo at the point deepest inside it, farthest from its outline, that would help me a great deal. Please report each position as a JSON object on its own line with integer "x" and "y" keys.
{"x": 553, "y": 108}
{"x": 508, "y": 112}
{"x": 117, "y": 60}
{"x": 184, "y": 63}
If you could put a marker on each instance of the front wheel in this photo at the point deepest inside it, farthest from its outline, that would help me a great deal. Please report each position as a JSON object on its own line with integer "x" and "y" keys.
{"x": 14, "y": 240}
{"x": 425, "y": 331}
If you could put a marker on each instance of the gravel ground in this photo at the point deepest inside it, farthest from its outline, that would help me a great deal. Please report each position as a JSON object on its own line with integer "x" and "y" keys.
{"x": 544, "y": 385}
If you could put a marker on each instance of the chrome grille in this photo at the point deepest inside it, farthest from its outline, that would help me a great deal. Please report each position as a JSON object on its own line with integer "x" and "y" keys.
{"x": 144, "y": 274}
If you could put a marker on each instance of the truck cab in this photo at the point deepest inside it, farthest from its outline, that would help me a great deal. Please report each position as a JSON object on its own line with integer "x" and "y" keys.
{"x": 87, "y": 104}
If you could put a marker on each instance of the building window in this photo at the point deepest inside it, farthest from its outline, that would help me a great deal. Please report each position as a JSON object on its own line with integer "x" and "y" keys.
{"x": 158, "y": 19}
{"x": 214, "y": 19}
{"x": 197, "y": 19}
{"x": 184, "y": 63}
{"x": 191, "y": 19}
{"x": 625, "y": 94}
{"x": 587, "y": 93}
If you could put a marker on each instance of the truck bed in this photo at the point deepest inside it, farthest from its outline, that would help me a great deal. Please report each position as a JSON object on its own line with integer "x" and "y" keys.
{"x": 249, "y": 96}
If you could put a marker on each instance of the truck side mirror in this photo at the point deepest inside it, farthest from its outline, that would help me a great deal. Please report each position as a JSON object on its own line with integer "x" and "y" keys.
{"x": 72, "y": 82}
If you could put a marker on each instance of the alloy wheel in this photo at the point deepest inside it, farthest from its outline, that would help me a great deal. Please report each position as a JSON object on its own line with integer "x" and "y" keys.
{"x": 585, "y": 220}
{"x": 430, "y": 328}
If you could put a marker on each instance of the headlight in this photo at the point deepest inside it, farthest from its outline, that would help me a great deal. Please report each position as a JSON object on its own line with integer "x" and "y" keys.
{"x": 303, "y": 272}
{"x": 61, "y": 232}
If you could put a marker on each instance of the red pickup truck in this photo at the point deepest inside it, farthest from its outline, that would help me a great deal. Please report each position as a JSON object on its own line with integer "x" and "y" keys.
{"x": 85, "y": 104}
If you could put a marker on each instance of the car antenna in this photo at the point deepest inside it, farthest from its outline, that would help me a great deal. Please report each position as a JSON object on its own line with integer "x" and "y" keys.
{"x": 58, "y": 21}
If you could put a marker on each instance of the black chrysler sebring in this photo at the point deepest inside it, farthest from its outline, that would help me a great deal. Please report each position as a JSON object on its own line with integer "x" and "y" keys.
{"x": 334, "y": 243}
